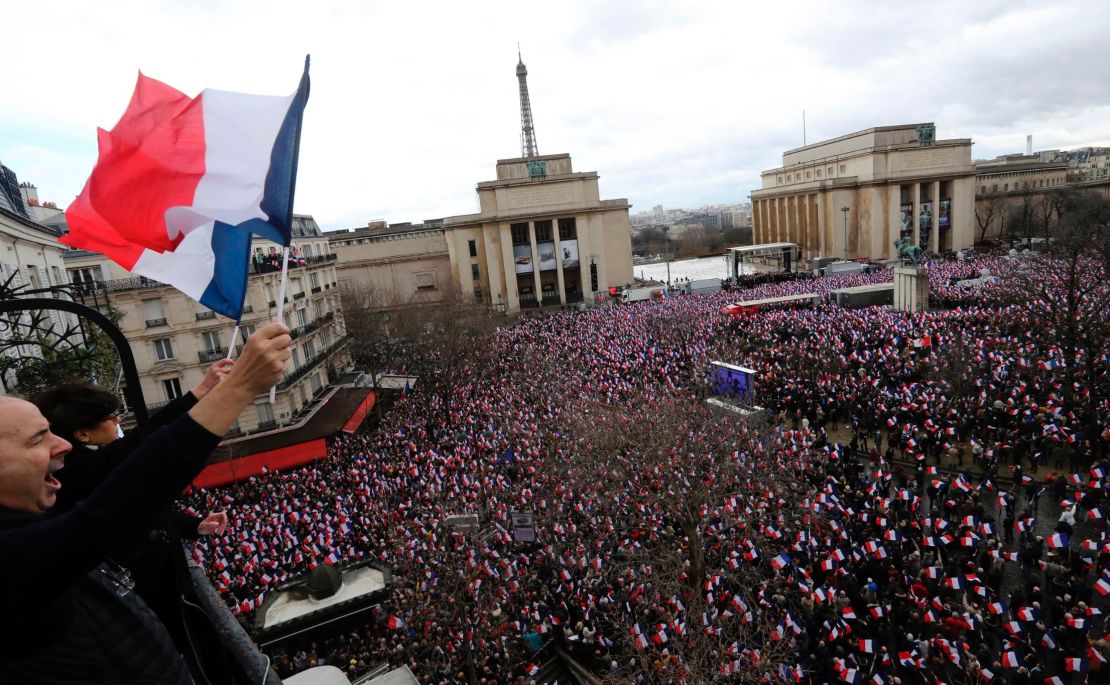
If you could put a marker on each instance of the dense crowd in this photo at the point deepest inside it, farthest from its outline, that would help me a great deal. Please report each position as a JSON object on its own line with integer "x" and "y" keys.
{"x": 900, "y": 531}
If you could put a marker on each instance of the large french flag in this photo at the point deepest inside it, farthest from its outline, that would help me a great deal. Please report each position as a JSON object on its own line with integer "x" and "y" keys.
{"x": 181, "y": 184}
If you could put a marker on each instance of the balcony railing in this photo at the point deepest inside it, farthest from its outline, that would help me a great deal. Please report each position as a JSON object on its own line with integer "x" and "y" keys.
{"x": 316, "y": 289}
{"x": 550, "y": 299}
{"x": 266, "y": 425}
{"x": 151, "y": 323}
{"x": 212, "y": 355}
{"x": 247, "y": 308}
{"x": 298, "y": 296}
{"x": 201, "y": 316}
{"x": 271, "y": 265}
{"x": 528, "y": 300}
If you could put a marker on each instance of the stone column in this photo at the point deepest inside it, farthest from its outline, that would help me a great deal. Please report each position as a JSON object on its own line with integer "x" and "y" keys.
{"x": 894, "y": 219}
{"x": 934, "y": 235}
{"x": 916, "y": 219}
{"x": 512, "y": 297}
{"x": 822, "y": 225}
{"x": 559, "y": 262}
{"x": 535, "y": 262}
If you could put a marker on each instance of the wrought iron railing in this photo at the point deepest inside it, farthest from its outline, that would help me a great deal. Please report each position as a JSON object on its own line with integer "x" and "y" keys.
{"x": 153, "y": 323}
{"x": 212, "y": 355}
{"x": 202, "y": 316}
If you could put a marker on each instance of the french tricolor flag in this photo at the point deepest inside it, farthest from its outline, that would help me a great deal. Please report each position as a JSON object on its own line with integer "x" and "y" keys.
{"x": 181, "y": 184}
{"x": 1010, "y": 660}
{"x": 867, "y": 646}
{"x": 1057, "y": 541}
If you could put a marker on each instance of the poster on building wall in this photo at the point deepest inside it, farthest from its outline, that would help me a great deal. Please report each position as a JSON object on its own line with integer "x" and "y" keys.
{"x": 945, "y": 218}
{"x": 907, "y": 218}
{"x": 523, "y": 256}
{"x": 926, "y": 215}
{"x": 547, "y": 256}
{"x": 570, "y": 253}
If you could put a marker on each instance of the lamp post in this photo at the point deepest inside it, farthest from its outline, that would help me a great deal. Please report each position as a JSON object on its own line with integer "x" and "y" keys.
{"x": 845, "y": 209}
{"x": 667, "y": 257}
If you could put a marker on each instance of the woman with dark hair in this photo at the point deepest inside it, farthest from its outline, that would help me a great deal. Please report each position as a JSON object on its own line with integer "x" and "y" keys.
{"x": 88, "y": 417}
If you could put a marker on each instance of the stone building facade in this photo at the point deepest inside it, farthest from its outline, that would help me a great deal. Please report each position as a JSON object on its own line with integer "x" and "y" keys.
{"x": 175, "y": 340}
{"x": 543, "y": 237}
{"x": 853, "y": 196}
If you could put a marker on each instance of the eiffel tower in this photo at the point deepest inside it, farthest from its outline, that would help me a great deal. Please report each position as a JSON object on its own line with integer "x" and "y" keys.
{"x": 528, "y": 146}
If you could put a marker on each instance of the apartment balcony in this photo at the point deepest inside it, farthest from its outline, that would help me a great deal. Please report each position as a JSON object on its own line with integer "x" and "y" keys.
{"x": 204, "y": 316}
{"x": 153, "y": 323}
{"x": 212, "y": 355}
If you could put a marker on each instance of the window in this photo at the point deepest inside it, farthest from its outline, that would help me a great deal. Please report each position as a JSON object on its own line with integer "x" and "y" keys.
{"x": 778, "y": 179}
{"x": 319, "y": 309}
{"x": 56, "y": 274}
{"x": 830, "y": 171}
{"x": 302, "y": 316}
{"x": 246, "y": 332}
{"x": 843, "y": 168}
{"x": 155, "y": 316}
{"x": 1005, "y": 187}
{"x": 172, "y": 388}
{"x": 314, "y": 278}
{"x": 317, "y": 384}
{"x": 425, "y": 280}
{"x": 473, "y": 245}
{"x": 543, "y": 231}
{"x": 807, "y": 176}
{"x": 519, "y": 233}
{"x": 568, "y": 229}
{"x": 211, "y": 341}
{"x": 296, "y": 357}
{"x": 474, "y": 272}
{"x": 295, "y": 286}
{"x": 309, "y": 349}
{"x": 163, "y": 350}
{"x": 478, "y": 293}
{"x": 265, "y": 412}
{"x": 818, "y": 173}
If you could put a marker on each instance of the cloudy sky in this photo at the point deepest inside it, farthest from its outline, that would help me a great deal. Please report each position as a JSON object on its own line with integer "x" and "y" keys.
{"x": 673, "y": 103}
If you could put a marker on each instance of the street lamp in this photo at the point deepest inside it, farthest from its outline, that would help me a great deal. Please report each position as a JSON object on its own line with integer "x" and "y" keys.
{"x": 845, "y": 209}
{"x": 667, "y": 257}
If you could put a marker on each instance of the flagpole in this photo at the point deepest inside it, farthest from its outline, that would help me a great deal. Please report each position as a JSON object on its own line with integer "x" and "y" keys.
{"x": 234, "y": 339}
{"x": 281, "y": 301}
{"x": 289, "y": 212}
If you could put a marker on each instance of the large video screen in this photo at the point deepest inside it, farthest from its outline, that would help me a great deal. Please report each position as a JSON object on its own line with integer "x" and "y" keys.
{"x": 734, "y": 382}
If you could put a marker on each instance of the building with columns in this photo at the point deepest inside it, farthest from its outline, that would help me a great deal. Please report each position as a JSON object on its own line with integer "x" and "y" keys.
{"x": 543, "y": 238}
{"x": 853, "y": 196}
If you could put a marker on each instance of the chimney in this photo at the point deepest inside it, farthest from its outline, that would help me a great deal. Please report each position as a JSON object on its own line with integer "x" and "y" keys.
{"x": 1029, "y": 144}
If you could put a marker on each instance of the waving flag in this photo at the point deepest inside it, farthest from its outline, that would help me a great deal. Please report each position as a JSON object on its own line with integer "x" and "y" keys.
{"x": 181, "y": 184}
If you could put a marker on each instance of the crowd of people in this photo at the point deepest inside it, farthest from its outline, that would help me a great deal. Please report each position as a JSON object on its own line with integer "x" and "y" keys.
{"x": 928, "y": 506}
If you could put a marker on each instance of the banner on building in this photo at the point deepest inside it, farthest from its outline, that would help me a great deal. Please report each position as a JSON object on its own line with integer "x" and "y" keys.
{"x": 945, "y": 218}
{"x": 547, "y": 256}
{"x": 907, "y": 218}
{"x": 522, "y": 254}
{"x": 570, "y": 253}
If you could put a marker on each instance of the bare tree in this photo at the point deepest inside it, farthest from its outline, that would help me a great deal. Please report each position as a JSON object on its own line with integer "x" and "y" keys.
{"x": 376, "y": 346}
{"x": 691, "y": 592}
{"x": 989, "y": 210}
{"x": 1066, "y": 287}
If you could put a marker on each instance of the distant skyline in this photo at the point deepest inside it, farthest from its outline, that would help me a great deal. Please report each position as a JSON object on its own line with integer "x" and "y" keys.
{"x": 678, "y": 104}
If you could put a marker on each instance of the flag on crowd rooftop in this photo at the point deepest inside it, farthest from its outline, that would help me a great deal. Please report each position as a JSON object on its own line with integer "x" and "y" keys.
{"x": 182, "y": 183}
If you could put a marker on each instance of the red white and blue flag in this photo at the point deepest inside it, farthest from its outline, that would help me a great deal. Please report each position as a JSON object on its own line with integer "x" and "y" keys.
{"x": 181, "y": 184}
